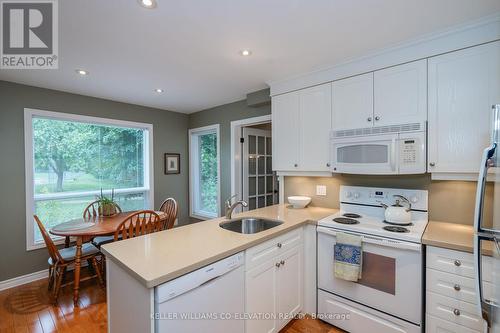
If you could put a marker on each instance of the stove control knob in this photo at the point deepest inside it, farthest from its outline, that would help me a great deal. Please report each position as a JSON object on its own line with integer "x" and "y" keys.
{"x": 356, "y": 195}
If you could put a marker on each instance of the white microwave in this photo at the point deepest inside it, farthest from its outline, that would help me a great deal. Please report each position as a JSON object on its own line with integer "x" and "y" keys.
{"x": 388, "y": 150}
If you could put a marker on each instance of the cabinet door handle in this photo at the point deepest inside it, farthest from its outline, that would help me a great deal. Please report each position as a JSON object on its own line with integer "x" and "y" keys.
{"x": 282, "y": 262}
{"x": 369, "y": 119}
{"x": 456, "y": 312}
{"x": 279, "y": 245}
{"x": 278, "y": 264}
{"x": 457, "y": 263}
{"x": 328, "y": 164}
{"x": 457, "y": 287}
{"x": 295, "y": 165}
{"x": 432, "y": 164}
{"x": 377, "y": 118}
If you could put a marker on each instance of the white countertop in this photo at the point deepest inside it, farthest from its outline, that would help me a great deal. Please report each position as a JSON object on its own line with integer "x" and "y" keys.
{"x": 159, "y": 257}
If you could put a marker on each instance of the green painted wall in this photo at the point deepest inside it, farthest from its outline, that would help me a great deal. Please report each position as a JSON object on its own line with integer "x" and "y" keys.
{"x": 170, "y": 135}
{"x": 223, "y": 115}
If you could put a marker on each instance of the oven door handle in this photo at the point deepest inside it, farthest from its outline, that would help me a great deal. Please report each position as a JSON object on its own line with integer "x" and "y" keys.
{"x": 392, "y": 243}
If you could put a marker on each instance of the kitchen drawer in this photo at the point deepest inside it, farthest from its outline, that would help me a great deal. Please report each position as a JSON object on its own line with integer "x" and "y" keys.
{"x": 456, "y": 286}
{"x": 352, "y": 317}
{"x": 437, "y": 325}
{"x": 457, "y": 262}
{"x": 259, "y": 254}
{"x": 453, "y": 310}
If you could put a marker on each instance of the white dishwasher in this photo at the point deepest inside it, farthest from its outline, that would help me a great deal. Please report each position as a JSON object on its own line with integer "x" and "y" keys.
{"x": 206, "y": 300}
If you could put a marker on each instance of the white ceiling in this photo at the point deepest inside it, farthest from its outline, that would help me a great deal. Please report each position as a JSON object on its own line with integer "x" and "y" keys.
{"x": 190, "y": 48}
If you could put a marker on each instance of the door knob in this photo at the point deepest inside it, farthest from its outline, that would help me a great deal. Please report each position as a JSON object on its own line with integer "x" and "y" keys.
{"x": 278, "y": 264}
{"x": 295, "y": 165}
{"x": 279, "y": 245}
{"x": 369, "y": 119}
{"x": 377, "y": 118}
{"x": 432, "y": 164}
{"x": 328, "y": 164}
{"x": 282, "y": 262}
{"x": 456, "y": 287}
{"x": 458, "y": 263}
{"x": 456, "y": 312}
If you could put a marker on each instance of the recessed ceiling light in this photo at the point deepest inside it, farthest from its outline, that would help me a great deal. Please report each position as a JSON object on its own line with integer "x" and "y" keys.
{"x": 148, "y": 3}
{"x": 246, "y": 53}
{"x": 82, "y": 72}
{"x": 159, "y": 90}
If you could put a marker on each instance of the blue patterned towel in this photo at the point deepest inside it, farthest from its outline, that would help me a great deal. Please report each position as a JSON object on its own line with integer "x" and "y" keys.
{"x": 348, "y": 255}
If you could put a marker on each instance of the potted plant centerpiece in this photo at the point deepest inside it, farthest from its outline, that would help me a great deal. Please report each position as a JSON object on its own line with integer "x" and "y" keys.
{"x": 107, "y": 206}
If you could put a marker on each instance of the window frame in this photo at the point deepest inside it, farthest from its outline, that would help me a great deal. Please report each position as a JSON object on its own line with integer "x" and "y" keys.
{"x": 29, "y": 114}
{"x": 193, "y": 161}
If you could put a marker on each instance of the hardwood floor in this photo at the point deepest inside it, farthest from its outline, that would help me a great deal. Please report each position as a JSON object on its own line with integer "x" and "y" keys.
{"x": 28, "y": 308}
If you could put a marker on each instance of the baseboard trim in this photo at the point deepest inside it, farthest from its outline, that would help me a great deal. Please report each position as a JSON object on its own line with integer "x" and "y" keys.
{"x": 23, "y": 279}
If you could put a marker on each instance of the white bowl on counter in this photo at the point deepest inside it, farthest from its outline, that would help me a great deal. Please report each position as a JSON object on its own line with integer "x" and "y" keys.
{"x": 299, "y": 201}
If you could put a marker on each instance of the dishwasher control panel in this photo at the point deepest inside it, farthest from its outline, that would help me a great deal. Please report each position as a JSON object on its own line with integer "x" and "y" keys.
{"x": 197, "y": 278}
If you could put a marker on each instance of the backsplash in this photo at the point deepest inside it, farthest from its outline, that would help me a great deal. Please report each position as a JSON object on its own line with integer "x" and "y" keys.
{"x": 449, "y": 201}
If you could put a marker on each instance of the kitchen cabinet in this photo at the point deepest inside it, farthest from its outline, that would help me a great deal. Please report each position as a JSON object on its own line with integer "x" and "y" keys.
{"x": 451, "y": 300}
{"x": 274, "y": 282}
{"x": 352, "y": 102}
{"x": 394, "y": 95}
{"x": 462, "y": 87}
{"x": 261, "y": 297}
{"x": 289, "y": 288}
{"x": 301, "y": 129}
{"x": 285, "y": 129}
{"x": 400, "y": 94}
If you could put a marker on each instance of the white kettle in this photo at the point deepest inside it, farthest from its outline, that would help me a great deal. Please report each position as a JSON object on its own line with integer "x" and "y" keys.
{"x": 397, "y": 213}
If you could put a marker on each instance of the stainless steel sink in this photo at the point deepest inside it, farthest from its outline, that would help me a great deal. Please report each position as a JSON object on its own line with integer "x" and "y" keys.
{"x": 249, "y": 225}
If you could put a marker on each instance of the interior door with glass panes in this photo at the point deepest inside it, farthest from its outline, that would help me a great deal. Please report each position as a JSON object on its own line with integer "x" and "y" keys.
{"x": 260, "y": 188}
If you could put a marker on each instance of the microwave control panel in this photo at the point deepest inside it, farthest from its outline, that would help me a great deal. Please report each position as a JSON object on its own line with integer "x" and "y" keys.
{"x": 409, "y": 151}
{"x": 412, "y": 153}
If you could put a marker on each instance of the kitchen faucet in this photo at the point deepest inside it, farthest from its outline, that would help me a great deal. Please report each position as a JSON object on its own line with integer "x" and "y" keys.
{"x": 230, "y": 207}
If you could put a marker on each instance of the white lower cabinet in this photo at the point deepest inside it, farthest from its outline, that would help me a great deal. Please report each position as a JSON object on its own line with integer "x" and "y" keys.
{"x": 274, "y": 288}
{"x": 451, "y": 304}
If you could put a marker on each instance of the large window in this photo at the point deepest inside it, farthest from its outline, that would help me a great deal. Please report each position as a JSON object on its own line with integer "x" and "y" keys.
{"x": 70, "y": 158}
{"x": 204, "y": 160}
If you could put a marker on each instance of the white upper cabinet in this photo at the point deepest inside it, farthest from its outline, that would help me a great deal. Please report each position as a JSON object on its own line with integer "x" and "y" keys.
{"x": 400, "y": 94}
{"x": 352, "y": 101}
{"x": 301, "y": 128}
{"x": 285, "y": 131}
{"x": 462, "y": 87}
{"x": 315, "y": 126}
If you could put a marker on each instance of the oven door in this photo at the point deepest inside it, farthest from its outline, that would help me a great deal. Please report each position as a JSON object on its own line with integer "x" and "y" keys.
{"x": 391, "y": 279}
{"x": 365, "y": 155}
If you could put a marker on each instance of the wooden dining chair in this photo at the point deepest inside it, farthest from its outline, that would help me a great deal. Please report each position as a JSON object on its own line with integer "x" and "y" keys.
{"x": 171, "y": 209}
{"x": 137, "y": 224}
{"x": 59, "y": 260}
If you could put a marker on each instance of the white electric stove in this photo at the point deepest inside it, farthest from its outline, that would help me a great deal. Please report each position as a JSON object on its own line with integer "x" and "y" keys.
{"x": 361, "y": 212}
{"x": 388, "y": 297}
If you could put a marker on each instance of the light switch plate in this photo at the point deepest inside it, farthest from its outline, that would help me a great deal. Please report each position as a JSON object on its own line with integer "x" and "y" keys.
{"x": 321, "y": 190}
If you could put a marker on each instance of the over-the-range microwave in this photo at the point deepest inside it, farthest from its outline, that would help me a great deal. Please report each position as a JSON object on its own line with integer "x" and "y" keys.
{"x": 384, "y": 150}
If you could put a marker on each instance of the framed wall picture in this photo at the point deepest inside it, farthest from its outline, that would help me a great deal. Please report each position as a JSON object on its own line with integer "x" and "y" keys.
{"x": 172, "y": 163}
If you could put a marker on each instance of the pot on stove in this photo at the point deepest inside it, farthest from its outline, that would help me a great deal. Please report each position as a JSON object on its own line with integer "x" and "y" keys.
{"x": 397, "y": 213}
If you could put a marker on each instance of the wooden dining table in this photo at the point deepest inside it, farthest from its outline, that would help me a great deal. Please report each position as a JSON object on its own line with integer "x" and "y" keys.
{"x": 84, "y": 230}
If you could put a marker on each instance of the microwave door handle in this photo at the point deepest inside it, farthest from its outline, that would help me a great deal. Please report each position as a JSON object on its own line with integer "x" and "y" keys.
{"x": 393, "y": 155}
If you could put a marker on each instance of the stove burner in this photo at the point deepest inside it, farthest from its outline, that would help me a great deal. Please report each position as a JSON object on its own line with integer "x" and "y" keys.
{"x": 352, "y": 215}
{"x": 396, "y": 229}
{"x": 344, "y": 220}
{"x": 400, "y": 224}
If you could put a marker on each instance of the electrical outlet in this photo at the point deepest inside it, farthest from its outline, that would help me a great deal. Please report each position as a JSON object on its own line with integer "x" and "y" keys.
{"x": 321, "y": 190}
